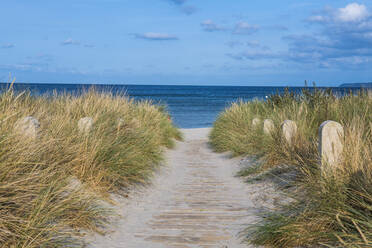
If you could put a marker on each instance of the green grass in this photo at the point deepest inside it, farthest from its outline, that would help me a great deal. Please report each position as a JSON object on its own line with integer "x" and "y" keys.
{"x": 332, "y": 209}
{"x": 54, "y": 186}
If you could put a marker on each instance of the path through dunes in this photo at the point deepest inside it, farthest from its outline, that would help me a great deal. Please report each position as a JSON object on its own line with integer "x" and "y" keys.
{"x": 195, "y": 201}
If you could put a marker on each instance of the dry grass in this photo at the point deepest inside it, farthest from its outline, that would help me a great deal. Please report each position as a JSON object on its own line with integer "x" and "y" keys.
{"x": 53, "y": 186}
{"x": 332, "y": 209}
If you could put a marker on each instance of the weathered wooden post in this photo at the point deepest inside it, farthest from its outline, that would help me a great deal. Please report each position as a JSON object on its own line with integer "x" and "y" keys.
{"x": 289, "y": 130}
{"x": 85, "y": 125}
{"x": 256, "y": 122}
{"x": 121, "y": 123}
{"x": 302, "y": 109}
{"x": 269, "y": 126}
{"x": 331, "y": 143}
{"x": 28, "y": 127}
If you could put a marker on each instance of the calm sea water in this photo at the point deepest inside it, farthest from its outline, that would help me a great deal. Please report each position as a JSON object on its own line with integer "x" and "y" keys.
{"x": 189, "y": 106}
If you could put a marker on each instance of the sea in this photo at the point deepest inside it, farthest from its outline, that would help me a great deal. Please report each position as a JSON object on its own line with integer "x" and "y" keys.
{"x": 189, "y": 106}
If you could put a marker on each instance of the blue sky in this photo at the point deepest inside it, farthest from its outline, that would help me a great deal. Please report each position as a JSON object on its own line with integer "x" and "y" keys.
{"x": 199, "y": 42}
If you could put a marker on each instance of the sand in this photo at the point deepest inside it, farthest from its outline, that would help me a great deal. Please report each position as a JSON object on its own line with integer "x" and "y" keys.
{"x": 195, "y": 200}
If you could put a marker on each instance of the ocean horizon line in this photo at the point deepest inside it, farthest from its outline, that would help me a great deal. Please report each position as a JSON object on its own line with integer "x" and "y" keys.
{"x": 182, "y": 85}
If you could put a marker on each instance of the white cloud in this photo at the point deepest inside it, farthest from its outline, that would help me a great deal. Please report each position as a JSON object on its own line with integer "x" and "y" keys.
{"x": 156, "y": 36}
{"x": 345, "y": 39}
{"x": 210, "y": 26}
{"x": 255, "y": 55}
{"x": 352, "y": 12}
{"x": 70, "y": 41}
{"x": 241, "y": 28}
{"x": 8, "y": 45}
{"x": 245, "y": 28}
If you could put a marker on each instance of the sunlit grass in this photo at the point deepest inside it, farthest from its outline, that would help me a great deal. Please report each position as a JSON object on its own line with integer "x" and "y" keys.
{"x": 53, "y": 186}
{"x": 333, "y": 209}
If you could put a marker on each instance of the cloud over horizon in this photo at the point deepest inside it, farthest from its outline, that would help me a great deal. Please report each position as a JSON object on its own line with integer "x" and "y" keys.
{"x": 315, "y": 37}
{"x": 344, "y": 41}
{"x": 156, "y": 36}
{"x": 346, "y": 36}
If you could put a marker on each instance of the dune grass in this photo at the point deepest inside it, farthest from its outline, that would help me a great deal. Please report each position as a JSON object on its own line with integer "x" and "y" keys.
{"x": 55, "y": 185}
{"x": 332, "y": 209}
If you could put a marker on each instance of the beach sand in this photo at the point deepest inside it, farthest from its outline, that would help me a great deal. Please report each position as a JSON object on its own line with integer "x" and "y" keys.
{"x": 195, "y": 200}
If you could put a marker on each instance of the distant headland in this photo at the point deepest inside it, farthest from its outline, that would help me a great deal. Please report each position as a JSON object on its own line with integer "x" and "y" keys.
{"x": 357, "y": 85}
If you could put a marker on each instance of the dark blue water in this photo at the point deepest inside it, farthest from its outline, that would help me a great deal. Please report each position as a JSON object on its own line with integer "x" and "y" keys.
{"x": 190, "y": 106}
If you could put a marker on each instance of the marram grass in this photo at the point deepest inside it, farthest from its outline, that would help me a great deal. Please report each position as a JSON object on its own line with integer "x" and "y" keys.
{"x": 327, "y": 210}
{"x": 54, "y": 186}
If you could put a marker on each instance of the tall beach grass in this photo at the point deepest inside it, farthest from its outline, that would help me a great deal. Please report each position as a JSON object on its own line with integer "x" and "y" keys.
{"x": 332, "y": 209}
{"x": 55, "y": 185}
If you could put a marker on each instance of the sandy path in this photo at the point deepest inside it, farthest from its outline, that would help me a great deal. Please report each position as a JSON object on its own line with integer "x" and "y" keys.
{"x": 195, "y": 201}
